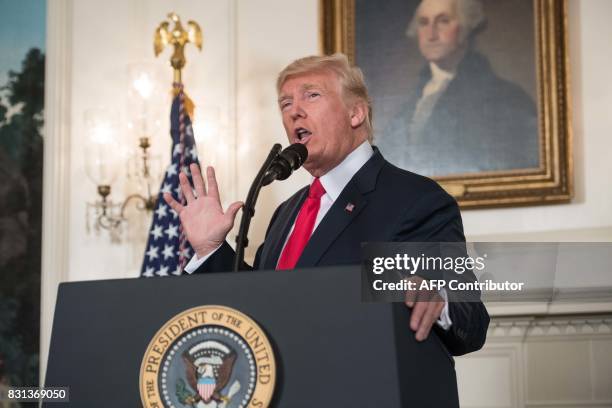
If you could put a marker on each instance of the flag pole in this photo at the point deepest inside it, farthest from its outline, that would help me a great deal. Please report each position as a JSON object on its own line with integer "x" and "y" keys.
{"x": 168, "y": 251}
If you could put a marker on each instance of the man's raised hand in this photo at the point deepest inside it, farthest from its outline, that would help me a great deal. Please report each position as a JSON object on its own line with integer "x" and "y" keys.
{"x": 204, "y": 222}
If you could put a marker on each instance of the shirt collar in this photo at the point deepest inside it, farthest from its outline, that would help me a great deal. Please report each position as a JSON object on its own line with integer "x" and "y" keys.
{"x": 440, "y": 75}
{"x": 337, "y": 178}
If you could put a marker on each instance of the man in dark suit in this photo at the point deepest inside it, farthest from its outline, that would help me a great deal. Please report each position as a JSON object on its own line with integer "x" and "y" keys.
{"x": 461, "y": 116}
{"x": 356, "y": 196}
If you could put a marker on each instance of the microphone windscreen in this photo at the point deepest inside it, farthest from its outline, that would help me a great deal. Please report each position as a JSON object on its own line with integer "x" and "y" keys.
{"x": 296, "y": 155}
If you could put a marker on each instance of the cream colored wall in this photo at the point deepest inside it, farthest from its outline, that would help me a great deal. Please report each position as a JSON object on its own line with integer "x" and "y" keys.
{"x": 106, "y": 37}
{"x": 246, "y": 43}
{"x": 550, "y": 362}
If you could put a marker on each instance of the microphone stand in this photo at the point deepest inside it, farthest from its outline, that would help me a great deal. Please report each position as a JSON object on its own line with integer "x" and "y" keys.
{"x": 248, "y": 211}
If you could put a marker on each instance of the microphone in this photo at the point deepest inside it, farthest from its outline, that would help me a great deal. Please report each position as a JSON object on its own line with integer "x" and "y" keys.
{"x": 290, "y": 159}
{"x": 278, "y": 166}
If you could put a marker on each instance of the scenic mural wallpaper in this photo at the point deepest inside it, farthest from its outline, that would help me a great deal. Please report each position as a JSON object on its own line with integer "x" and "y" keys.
{"x": 22, "y": 74}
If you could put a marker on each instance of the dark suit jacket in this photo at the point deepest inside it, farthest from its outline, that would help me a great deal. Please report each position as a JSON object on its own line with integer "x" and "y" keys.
{"x": 480, "y": 123}
{"x": 390, "y": 205}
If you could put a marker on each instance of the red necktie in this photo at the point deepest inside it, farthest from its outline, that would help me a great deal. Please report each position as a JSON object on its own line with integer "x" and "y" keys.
{"x": 304, "y": 224}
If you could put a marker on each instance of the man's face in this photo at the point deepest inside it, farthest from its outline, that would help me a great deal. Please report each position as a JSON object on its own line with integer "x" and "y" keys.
{"x": 439, "y": 32}
{"x": 315, "y": 114}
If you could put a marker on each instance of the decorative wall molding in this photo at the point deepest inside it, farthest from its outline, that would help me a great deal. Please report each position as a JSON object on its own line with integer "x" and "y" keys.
{"x": 570, "y": 404}
{"x": 56, "y": 165}
{"x": 232, "y": 88}
{"x": 540, "y": 362}
{"x": 507, "y": 328}
{"x": 571, "y": 327}
{"x": 565, "y": 303}
{"x": 512, "y": 380}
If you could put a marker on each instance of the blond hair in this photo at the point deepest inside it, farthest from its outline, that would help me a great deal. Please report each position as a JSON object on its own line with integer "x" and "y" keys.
{"x": 351, "y": 78}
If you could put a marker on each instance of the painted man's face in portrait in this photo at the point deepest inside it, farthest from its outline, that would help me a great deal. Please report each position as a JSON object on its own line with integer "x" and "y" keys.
{"x": 439, "y": 31}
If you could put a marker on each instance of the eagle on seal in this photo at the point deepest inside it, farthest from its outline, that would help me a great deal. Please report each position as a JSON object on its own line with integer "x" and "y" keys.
{"x": 208, "y": 368}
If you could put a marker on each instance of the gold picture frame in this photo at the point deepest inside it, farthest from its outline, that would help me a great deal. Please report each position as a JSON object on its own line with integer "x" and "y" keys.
{"x": 552, "y": 181}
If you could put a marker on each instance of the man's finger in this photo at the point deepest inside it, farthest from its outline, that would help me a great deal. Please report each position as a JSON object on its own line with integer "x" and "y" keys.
{"x": 418, "y": 311}
{"x": 411, "y": 296}
{"x": 198, "y": 182}
{"x": 232, "y": 210}
{"x": 429, "y": 317}
{"x": 213, "y": 188}
{"x": 175, "y": 205}
{"x": 186, "y": 187}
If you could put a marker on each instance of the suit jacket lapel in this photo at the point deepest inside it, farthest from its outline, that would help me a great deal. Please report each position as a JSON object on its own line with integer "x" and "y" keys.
{"x": 339, "y": 216}
{"x": 279, "y": 230}
{"x": 332, "y": 225}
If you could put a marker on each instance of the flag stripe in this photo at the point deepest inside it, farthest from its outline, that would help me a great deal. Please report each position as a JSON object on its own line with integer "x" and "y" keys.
{"x": 168, "y": 251}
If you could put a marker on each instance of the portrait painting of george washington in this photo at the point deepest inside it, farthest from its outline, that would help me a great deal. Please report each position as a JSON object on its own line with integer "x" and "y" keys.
{"x": 456, "y": 93}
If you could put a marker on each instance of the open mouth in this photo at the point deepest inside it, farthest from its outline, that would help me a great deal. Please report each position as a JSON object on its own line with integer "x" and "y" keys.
{"x": 302, "y": 135}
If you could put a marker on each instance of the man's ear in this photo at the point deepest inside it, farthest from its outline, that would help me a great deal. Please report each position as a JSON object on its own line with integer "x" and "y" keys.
{"x": 359, "y": 113}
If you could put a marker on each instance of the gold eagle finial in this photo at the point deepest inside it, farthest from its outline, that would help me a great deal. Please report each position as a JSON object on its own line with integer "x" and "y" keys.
{"x": 177, "y": 37}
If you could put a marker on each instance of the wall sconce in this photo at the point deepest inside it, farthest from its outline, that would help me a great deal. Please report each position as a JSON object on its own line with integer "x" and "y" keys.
{"x": 103, "y": 157}
{"x": 101, "y": 164}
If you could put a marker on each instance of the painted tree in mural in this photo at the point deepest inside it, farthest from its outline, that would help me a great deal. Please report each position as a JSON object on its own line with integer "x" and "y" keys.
{"x": 21, "y": 154}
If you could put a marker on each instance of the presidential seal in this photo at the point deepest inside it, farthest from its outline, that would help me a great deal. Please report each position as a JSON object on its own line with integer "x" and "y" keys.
{"x": 208, "y": 357}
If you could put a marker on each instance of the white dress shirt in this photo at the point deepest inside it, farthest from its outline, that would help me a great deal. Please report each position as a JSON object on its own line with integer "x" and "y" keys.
{"x": 432, "y": 91}
{"x": 336, "y": 179}
{"x": 334, "y": 182}
{"x": 439, "y": 80}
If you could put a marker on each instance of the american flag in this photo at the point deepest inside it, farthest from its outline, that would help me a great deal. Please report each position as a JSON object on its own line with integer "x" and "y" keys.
{"x": 168, "y": 251}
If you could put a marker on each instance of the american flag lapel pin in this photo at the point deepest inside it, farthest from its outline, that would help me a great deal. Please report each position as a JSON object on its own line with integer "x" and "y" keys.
{"x": 349, "y": 207}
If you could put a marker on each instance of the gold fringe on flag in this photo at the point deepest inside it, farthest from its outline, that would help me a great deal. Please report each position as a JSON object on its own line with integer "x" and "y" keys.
{"x": 188, "y": 103}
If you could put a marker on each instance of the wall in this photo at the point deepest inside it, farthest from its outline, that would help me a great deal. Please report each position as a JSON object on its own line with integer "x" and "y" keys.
{"x": 540, "y": 362}
{"x": 100, "y": 79}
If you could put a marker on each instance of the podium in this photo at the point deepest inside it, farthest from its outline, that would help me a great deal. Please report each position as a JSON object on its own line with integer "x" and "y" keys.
{"x": 331, "y": 349}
